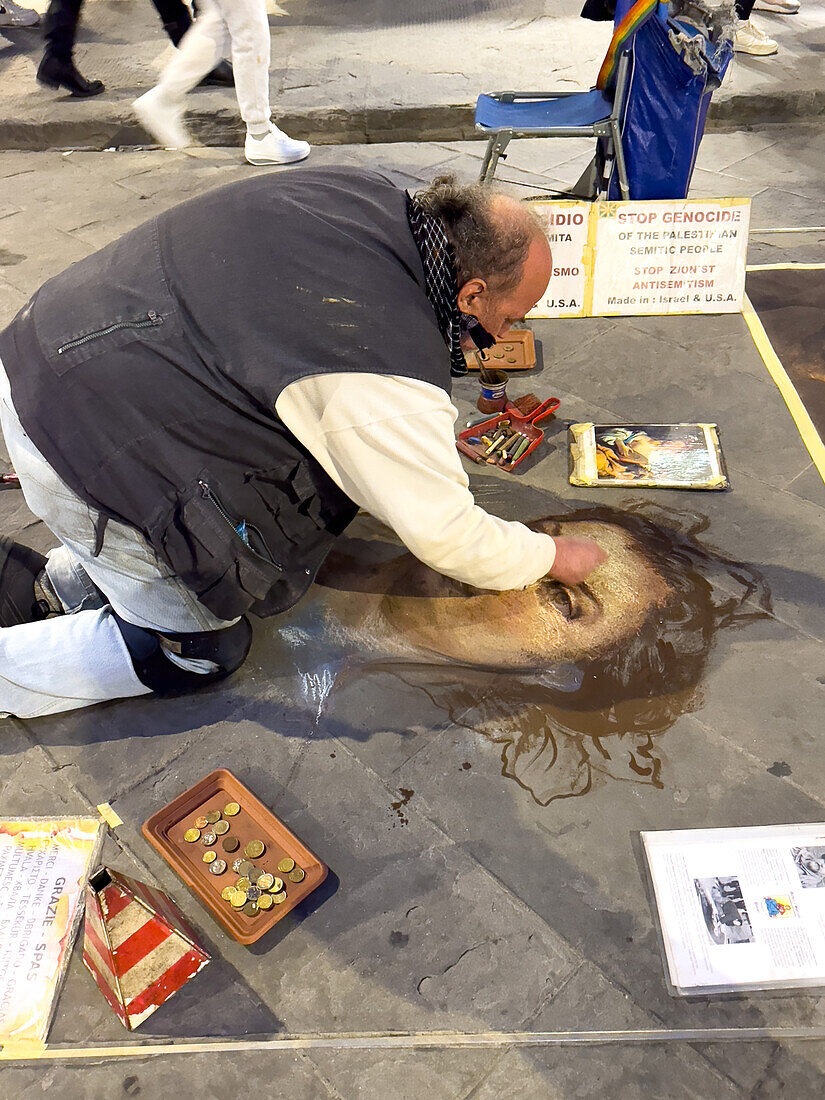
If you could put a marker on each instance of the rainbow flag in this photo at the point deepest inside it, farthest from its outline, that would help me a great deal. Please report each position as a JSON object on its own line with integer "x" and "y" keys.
{"x": 637, "y": 14}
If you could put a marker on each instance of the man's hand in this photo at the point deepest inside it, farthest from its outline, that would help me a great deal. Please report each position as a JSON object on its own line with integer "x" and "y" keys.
{"x": 576, "y": 558}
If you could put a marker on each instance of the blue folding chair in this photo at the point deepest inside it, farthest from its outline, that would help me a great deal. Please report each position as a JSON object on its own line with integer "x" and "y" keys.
{"x": 505, "y": 115}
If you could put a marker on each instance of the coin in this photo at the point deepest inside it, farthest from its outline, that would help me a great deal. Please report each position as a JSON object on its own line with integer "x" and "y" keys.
{"x": 265, "y": 881}
{"x": 228, "y": 893}
{"x": 237, "y": 864}
{"x": 277, "y": 885}
{"x": 265, "y": 902}
{"x": 191, "y": 835}
{"x": 218, "y": 867}
{"x": 213, "y": 816}
{"x": 238, "y": 899}
{"x": 230, "y": 844}
{"x": 253, "y": 893}
{"x": 278, "y": 899}
{"x": 251, "y": 909}
{"x": 208, "y": 839}
{"x": 221, "y": 827}
{"x": 254, "y": 849}
{"x": 201, "y": 822}
{"x": 243, "y": 884}
{"x": 297, "y": 874}
{"x": 245, "y": 867}
{"x": 231, "y": 808}
{"x": 286, "y": 865}
{"x": 210, "y": 856}
{"x": 254, "y": 873}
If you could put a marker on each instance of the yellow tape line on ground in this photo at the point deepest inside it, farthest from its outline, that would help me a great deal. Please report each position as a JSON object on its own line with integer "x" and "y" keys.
{"x": 411, "y": 1041}
{"x": 785, "y": 267}
{"x": 109, "y": 815}
{"x": 804, "y": 424}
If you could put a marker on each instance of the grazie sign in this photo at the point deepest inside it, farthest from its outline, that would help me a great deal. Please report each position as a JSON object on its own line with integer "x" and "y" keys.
{"x": 642, "y": 258}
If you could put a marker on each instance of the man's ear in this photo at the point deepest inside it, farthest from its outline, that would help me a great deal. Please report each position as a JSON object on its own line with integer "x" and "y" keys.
{"x": 469, "y": 294}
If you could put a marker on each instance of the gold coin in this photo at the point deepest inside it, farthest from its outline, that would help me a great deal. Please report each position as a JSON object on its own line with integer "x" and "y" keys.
{"x": 191, "y": 835}
{"x": 213, "y": 816}
{"x": 254, "y": 849}
{"x": 277, "y": 885}
{"x": 201, "y": 822}
{"x": 251, "y": 909}
{"x": 231, "y": 809}
{"x": 210, "y": 857}
{"x": 265, "y": 902}
{"x": 221, "y": 827}
{"x": 265, "y": 881}
{"x": 278, "y": 899}
{"x": 286, "y": 865}
{"x": 243, "y": 884}
{"x": 297, "y": 874}
{"x": 238, "y": 899}
{"x": 228, "y": 893}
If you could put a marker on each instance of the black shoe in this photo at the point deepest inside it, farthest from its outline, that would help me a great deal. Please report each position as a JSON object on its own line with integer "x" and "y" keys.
{"x": 55, "y": 73}
{"x": 220, "y": 77}
{"x": 20, "y": 568}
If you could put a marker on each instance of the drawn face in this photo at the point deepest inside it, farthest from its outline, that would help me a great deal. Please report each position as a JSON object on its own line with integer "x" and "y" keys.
{"x": 546, "y": 624}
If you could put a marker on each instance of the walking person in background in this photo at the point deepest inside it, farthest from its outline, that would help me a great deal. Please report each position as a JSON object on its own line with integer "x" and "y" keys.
{"x": 751, "y": 39}
{"x": 244, "y": 25}
{"x": 57, "y": 68}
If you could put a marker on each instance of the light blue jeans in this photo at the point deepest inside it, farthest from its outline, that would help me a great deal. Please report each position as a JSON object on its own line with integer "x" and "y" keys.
{"x": 80, "y": 658}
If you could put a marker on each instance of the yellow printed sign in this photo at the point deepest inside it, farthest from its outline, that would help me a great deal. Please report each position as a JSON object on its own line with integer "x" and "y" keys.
{"x": 44, "y": 866}
{"x": 613, "y": 259}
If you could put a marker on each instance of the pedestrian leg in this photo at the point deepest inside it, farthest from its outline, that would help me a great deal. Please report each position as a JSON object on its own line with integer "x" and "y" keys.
{"x": 160, "y": 110}
{"x": 250, "y": 36}
{"x": 57, "y": 68}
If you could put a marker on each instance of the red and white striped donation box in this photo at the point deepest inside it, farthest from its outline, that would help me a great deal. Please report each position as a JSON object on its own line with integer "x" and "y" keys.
{"x": 136, "y": 945}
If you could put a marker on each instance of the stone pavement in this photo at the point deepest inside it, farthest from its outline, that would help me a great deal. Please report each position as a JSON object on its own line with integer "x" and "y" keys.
{"x": 457, "y": 901}
{"x": 378, "y": 70}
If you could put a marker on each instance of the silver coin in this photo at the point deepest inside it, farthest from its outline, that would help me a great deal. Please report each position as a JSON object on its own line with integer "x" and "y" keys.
{"x": 218, "y": 867}
{"x": 253, "y": 893}
{"x": 236, "y": 865}
{"x": 208, "y": 839}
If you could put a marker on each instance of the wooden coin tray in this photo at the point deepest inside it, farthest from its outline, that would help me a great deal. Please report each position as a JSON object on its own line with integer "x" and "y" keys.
{"x": 517, "y": 352}
{"x": 164, "y": 830}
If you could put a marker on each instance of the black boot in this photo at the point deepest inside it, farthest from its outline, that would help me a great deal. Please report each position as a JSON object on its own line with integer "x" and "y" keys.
{"x": 26, "y": 596}
{"x": 57, "y": 73}
{"x": 220, "y": 77}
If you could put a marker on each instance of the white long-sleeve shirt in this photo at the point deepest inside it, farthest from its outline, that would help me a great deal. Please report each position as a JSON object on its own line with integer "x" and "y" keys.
{"x": 388, "y": 442}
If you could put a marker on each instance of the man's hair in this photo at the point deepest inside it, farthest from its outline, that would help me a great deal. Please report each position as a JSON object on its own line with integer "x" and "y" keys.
{"x": 490, "y": 243}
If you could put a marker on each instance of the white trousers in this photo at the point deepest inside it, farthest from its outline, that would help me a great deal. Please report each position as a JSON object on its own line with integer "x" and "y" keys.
{"x": 241, "y": 24}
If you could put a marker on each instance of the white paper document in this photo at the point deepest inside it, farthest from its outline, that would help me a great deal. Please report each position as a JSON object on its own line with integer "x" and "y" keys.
{"x": 740, "y": 908}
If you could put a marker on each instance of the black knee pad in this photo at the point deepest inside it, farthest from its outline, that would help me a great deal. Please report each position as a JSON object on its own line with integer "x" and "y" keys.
{"x": 208, "y": 656}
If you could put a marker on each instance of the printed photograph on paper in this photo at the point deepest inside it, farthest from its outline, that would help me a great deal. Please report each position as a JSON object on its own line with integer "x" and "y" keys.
{"x": 723, "y": 908}
{"x": 810, "y": 866}
{"x": 684, "y": 456}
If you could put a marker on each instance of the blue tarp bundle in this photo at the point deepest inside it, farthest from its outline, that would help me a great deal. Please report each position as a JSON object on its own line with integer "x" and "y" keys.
{"x": 674, "y": 70}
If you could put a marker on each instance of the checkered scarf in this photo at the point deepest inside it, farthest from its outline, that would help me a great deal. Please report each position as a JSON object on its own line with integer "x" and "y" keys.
{"x": 440, "y": 281}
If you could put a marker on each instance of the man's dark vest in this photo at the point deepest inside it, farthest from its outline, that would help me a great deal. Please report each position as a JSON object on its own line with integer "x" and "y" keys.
{"x": 147, "y": 374}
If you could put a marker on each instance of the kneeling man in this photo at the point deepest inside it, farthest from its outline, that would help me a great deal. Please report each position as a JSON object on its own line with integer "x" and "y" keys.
{"x": 200, "y": 408}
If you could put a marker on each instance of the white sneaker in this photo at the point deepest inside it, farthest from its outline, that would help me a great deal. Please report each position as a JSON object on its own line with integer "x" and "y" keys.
{"x": 749, "y": 39}
{"x": 781, "y": 7}
{"x": 12, "y": 15}
{"x": 275, "y": 148}
{"x": 164, "y": 121}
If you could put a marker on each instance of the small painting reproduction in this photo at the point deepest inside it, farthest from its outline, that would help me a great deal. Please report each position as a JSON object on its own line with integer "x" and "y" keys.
{"x": 674, "y": 456}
